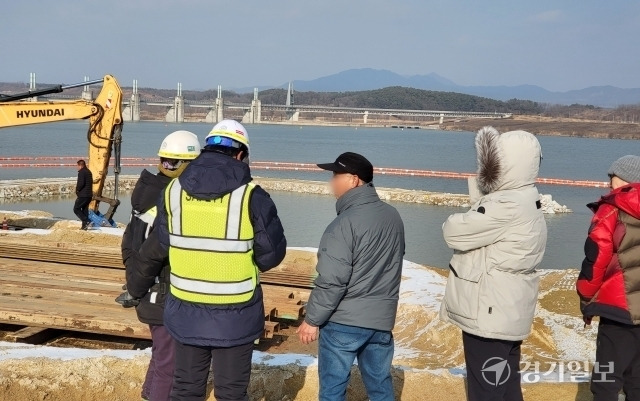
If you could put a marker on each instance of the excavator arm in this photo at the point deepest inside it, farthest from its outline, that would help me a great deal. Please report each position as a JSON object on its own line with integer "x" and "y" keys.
{"x": 104, "y": 134}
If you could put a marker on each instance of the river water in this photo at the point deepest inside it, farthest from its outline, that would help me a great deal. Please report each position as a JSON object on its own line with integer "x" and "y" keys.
{"x": 305, "y": 216}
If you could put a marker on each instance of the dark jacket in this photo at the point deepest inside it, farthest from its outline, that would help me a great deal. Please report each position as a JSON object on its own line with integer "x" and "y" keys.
{"x": 84, "y": 186}
{"x": 145, "y": 195}
{"x": 211, "y": 176}
{"x": 359, "y": 264}
{"x": 609, "y": 282}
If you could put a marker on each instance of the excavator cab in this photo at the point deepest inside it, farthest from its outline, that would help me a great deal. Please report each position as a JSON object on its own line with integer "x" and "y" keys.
{"x": 104, "y": 134}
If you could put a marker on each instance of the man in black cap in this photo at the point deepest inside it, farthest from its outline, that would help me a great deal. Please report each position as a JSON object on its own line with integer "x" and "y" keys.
{"x": 352, "y": 308}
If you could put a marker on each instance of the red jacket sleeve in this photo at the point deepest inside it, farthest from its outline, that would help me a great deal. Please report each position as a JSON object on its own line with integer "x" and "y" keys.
{"x": 598, "y": 249}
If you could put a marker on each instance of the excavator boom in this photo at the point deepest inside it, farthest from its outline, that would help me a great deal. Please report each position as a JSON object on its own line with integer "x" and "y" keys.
{"x": 104, "y": 134}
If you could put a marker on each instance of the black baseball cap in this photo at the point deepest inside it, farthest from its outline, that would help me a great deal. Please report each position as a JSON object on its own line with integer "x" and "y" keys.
{"x": 351, "y": 163}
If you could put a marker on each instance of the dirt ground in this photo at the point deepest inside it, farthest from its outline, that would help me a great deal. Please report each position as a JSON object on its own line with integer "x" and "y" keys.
{"x": 116, "y": 379}
{"x": 548, "y": 126}
{"x": 428, "y": 351}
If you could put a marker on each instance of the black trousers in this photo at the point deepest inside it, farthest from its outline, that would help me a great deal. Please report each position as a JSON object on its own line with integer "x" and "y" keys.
{"x": 231, "y": 372}
{"x": 493, "y": 369}
{"x": 617, "y": 364}
{"x": 81, "y": 209}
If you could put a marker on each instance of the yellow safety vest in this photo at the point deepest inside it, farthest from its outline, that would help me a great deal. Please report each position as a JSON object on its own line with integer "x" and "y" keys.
{"x": 211, "y": 246}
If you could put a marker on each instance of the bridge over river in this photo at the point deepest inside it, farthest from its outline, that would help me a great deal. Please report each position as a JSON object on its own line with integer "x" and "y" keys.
{"x": 252, "y": 113}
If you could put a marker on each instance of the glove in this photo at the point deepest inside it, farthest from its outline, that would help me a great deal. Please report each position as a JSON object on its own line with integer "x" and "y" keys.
{"x": 127, "y": 301}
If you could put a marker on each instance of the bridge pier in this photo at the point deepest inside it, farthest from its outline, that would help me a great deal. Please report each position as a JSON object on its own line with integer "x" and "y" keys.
{"x": 293, "y": 115}
{"x": 365, "y": 117}
{"x": 176, "y": 112}
{"x": 32, "y": 86}
{"x": 131, "y": 111}
{"x": 441, "y": 118}
{"x": 254, "y": 114}
{"x": 216, "y": 114}
{"x": 87, "y": 94}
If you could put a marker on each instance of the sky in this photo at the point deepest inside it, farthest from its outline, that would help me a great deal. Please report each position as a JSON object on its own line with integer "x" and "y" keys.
{"x": 557, "y": 44}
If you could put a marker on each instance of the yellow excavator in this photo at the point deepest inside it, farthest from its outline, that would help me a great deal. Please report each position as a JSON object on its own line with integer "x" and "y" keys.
{"x": 104, "y": 134}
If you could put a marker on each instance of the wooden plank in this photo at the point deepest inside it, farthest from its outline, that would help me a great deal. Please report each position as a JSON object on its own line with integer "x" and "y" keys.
{"x": 54, "y": 294}
{"x": 72, "y": 316}
{"x": 270, "y": 328}
{"x": 81, "y": 298}
{"x": 57, "y": 283}
{"x": 269, "y": 310}
{"x": 293, "y": 293}
{"x": 32, "y": 335}
{"x": 63, "y": 253}
{"x": 67, "y": 308}
{"x": 35, "y": 267}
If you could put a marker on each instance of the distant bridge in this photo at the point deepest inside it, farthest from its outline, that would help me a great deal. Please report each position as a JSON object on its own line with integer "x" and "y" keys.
{"x": 252, "y": 112}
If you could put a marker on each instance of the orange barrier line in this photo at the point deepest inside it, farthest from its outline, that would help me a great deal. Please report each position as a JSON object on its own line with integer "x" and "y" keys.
{"x": 49, "y": 165}
{"x": 289, "y": 166}
{"x": 25, "y": 158}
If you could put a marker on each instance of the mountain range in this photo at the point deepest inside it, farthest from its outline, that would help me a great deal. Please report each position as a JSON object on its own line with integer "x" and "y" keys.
{"x": 368, "y": 78}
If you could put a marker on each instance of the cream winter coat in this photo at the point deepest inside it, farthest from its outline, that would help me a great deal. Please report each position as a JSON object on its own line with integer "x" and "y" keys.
{"x": 493, "y": 284}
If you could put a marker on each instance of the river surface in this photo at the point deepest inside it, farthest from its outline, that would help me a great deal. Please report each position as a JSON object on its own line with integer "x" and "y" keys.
{"x": 305, "y": 216}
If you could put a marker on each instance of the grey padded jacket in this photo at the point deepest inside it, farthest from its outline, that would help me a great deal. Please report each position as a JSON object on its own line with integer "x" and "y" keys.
{"x": 359, "y": 264}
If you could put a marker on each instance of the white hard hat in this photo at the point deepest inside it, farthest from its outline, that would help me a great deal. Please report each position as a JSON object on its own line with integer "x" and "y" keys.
{"x": 180, "y": 145}
{"x": 228, "y": 129}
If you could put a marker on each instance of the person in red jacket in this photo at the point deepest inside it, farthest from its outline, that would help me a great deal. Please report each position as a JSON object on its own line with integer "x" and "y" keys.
{"x": 609, "y": 283}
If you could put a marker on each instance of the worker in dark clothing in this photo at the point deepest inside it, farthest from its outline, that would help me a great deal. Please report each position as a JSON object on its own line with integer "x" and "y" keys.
{"x": 84, "y": 193}
{"x": 219, "y": 231}
{"x": 176, "y": 151}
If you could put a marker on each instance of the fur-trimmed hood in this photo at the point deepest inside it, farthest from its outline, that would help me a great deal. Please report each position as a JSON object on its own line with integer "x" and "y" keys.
{"x": 506, "y": 161}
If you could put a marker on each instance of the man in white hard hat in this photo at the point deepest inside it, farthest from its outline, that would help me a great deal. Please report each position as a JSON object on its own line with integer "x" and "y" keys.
{"x": 147, "y": 291}
{"x": 219, "y": 231}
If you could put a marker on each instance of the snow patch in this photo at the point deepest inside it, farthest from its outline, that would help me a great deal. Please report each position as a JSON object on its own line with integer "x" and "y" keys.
{"x": 36, "y": 231}
{"x": 264, "y": 358}
{"x": 110, "y": 230}
{"x": 303, "y": 248}
{"x": 22, "y": 213}
{"x": 421, "y": 286}
{"x": 14, "y": 351}
{"x": 24, "y": 351}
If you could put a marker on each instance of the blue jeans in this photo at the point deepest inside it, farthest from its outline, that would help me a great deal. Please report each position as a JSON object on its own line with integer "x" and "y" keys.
{"x": 339, "y": 346}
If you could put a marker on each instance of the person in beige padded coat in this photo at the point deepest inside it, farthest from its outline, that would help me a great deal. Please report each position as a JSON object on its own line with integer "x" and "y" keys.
{"x": 492, "y": 287}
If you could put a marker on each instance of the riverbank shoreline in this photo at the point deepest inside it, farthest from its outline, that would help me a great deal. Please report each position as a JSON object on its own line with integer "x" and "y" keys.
{"x": 43, "y": 188}
{"x": 48, "y": 187}
{"x": 544, "y": 126}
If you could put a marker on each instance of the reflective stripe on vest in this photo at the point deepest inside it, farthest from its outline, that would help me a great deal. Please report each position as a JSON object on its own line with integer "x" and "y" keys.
{"x": 203, "y": 287}
{"x": 211, "y": 246}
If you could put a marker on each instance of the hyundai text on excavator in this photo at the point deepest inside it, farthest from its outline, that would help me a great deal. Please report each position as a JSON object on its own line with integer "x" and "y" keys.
{"x": 104, "y": 134}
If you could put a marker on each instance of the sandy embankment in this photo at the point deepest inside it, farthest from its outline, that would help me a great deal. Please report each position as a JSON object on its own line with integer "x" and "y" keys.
{"x": 429, "y": 364}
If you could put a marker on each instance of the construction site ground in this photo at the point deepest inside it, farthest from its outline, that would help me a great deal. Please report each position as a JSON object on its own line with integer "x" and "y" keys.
{"x": 63, "y": 337}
